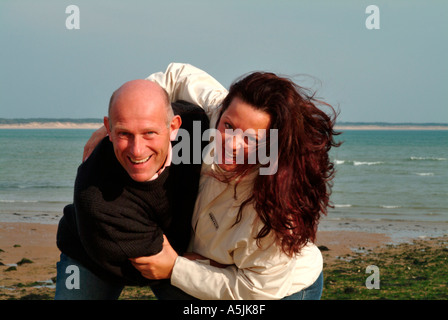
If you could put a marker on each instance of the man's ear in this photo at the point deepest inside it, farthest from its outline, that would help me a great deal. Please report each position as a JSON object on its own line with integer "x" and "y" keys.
{"x": 107, "y": 125}
{"x": 174, "y": 127}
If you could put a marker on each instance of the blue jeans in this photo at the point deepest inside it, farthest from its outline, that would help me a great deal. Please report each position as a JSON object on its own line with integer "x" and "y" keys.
{"x": 313, "y": 292}
{"x": 76, "y": 282}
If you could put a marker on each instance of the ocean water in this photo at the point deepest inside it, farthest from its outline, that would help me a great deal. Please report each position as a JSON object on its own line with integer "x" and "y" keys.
{"x": 391, "y": 175}
{"x": 381, "y": 175}
{"x": 37, "y": 172}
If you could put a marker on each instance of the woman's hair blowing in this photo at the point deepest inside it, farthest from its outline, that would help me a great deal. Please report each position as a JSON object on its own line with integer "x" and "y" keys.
{"x": 291, "y": 201}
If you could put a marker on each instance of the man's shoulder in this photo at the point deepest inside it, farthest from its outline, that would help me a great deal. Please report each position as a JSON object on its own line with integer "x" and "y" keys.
{"x": 183, "y": 107}
{"x": 102, "y": 151}
{"x": 190, "y": 113}
{"x": 102, "y": 159}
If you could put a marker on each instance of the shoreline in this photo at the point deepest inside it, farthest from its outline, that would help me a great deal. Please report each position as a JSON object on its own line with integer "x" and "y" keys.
{"x": 73, "y": 125}
{"x": 396, "y": 230}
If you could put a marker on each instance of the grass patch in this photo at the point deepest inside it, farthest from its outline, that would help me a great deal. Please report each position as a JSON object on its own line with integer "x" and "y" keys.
{"x": 137, "y": 293}
{"x": 416, "y": 271}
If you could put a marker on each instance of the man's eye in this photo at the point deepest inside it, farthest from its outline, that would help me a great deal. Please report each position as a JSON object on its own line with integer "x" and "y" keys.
{"x": 123, "y": 134}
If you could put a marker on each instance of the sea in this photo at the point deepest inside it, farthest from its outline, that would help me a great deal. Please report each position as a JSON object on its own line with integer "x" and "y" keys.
{"x": 380, "y": 174}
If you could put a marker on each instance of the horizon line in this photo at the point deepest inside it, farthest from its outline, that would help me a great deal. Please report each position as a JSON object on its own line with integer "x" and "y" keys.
{"x": 100, "y": 120}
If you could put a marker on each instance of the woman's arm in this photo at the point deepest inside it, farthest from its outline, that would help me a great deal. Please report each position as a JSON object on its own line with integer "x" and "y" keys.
{"x": 261, "y": 276}
{"x": 160, "y": 265}
{"x": 186, "y": 82}
{"x": 270, "y": 280}
{"x": 197, "y": 257}
{"x": 93, "y": 141}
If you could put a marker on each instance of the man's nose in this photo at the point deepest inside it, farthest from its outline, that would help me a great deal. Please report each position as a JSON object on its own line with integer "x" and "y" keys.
{"x": 136, "y": 146}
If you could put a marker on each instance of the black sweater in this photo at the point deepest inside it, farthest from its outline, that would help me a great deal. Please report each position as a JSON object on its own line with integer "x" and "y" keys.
{"x": 114, "y": 218}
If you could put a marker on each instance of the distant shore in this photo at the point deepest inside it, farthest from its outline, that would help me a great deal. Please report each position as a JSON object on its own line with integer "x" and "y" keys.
{"x": 50, "y": 125}
{"x": 96, "y": 125}
{"x": 390, "y": 127}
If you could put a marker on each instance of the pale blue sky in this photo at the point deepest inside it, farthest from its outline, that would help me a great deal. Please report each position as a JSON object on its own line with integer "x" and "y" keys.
{"x": 398, "y": 73}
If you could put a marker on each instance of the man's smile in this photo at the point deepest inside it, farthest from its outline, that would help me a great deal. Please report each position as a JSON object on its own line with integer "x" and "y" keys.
{"x": 136, "y": 161}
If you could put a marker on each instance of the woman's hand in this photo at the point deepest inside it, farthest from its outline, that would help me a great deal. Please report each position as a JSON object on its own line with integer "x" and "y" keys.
{"x": 96, "y": 137}
{"x": 158, "y": 266}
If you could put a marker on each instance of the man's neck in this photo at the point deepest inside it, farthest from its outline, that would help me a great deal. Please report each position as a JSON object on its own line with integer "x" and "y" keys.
{"x": 165, "y": 164}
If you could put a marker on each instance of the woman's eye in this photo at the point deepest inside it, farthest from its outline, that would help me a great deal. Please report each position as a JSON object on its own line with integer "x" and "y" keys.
{"x": 250, "y": 140}
{"x": 227, "y": 125}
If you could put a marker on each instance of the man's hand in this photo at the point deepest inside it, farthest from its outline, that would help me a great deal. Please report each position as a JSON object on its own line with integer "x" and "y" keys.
{"x": 158, "y": 266}
{"x": 96, "y": 137}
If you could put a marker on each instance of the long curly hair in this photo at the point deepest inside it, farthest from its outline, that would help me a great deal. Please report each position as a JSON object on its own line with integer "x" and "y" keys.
{"x": 291, "y": 201}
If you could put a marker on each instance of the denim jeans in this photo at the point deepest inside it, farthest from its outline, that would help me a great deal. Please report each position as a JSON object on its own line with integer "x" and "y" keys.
{"x": 83, "y": 284}
{"x": 313, "y": 292}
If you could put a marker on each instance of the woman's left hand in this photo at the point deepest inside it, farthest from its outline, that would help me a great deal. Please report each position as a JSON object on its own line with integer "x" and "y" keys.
{"x": 158, "y": 266}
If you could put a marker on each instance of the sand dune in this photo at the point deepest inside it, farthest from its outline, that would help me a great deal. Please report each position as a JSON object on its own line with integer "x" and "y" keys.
{"x": 51, "y": 125}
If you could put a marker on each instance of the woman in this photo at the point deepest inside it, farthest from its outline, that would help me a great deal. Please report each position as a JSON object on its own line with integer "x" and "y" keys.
{"x": 253, "y": 234}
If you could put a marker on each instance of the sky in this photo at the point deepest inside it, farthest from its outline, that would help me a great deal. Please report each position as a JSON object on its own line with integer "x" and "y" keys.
{"x": 387, "y": 65}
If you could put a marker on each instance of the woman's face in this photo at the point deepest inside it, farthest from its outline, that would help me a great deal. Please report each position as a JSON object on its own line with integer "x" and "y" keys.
{"x": 239, "y": 128}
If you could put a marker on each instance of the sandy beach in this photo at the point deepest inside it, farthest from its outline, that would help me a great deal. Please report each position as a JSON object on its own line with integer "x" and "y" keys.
{"x": 34, "y": 245}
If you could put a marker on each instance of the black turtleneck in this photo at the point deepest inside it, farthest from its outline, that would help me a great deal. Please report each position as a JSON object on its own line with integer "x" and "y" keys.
{"x": 114, "y": 218}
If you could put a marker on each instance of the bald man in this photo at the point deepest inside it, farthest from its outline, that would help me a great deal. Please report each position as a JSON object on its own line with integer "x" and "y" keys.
{"x": 128, "y": 195}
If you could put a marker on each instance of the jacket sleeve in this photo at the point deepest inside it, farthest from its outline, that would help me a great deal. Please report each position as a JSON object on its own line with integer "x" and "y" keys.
{"x": 188, "y": 83}
{"x": 264, "y": 275}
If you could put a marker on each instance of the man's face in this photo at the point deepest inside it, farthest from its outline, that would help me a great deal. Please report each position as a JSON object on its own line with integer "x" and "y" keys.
{"x": 140, "y": 135}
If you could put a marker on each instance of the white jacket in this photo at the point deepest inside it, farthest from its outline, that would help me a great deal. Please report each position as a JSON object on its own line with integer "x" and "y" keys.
{"x": 255, "y": 272}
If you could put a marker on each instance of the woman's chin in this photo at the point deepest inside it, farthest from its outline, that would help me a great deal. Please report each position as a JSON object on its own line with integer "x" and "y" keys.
{"x": 227, "y": 166}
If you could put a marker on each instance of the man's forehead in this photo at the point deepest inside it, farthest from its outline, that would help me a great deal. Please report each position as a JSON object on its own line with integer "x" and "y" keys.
{"x": 138, "y": 124}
